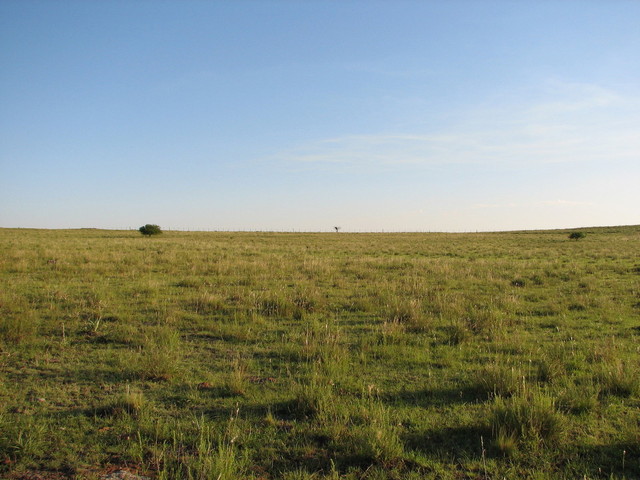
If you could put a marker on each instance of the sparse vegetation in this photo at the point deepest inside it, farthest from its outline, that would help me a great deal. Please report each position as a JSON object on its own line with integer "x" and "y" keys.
{"x": 316, "y": 356}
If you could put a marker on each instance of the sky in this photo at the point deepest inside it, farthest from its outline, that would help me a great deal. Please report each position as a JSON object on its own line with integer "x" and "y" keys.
{"x": 306, "y": 115}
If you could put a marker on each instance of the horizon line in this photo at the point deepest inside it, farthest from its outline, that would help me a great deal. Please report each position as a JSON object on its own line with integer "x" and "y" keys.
{"x": 331, "y": 231}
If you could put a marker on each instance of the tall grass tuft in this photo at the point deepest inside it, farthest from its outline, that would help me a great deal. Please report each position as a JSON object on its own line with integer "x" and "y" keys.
{"x": 220, "y": 461}
{"x": 457, "y": 332}
{"x": 500, "y": 380}
{"x": 376, "y": 437}
{"x": 618, "y": 378}
{"x": 578, "y": 399}
{"x": 161, "y": 355}
{"x": 408, "y": 312}
{"x": 130, "y": 403}
{"x": 18, "y": 320}
{"x": 531, "y": 417}
{"x": 312, "y": 399}
{"x": 236, "y": 382}
{"x": 205, "y": 303}
{"x": 550, "y": 368}
{"x": 484, "y": 320}
{"x": 215, "y": 457}
{"x": 274, "y": 306}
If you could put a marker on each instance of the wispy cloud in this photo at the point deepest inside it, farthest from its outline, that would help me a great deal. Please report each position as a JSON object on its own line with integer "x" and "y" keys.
{"x": 565, "y": 203}
{"x": 542, "y": 203}
{"x": 569, "y": 123}
{"x": 568, "y": 97}
{"x": 388, "y": 69}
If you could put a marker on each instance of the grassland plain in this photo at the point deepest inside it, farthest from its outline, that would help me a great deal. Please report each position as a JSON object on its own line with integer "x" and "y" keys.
{"x": 320, "y": 356}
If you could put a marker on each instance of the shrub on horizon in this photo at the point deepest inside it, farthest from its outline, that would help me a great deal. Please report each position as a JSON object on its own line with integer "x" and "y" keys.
{"x": 149, "y": 230}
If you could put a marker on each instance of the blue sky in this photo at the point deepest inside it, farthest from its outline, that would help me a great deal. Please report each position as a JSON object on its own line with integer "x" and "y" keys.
{"x": 284, "y": 115}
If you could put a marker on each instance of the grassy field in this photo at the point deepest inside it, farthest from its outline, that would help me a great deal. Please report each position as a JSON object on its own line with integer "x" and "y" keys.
{"x": 320, "y": 356}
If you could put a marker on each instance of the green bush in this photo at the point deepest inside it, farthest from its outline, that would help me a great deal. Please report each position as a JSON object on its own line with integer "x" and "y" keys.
{"x": 577, "y": 235}
{"x": 150, "y": 229}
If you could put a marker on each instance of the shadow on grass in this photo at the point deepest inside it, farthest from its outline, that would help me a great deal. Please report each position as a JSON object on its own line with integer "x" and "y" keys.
{"x": 319, "y": 454}
{"x": 311, "y": 458}
{"x": 93, "y": 376}
{"x": 617, "y": 459}
{"x": 75, "y": 376}
{"x": 448, "y": 442}
{"x": 225, "y": 337}
{"x": 284, "y": 411}
{"x": 435, "y": 397}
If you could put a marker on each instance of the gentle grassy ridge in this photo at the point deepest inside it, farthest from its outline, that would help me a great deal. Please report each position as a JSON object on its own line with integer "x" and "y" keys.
{"x": 320, "y": 356}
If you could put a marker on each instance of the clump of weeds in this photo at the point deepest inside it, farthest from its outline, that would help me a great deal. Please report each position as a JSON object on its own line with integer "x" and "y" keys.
{"x": 531, "y": 417}
{"x": 499, "y": 380}
{"x": 618, "y": 378}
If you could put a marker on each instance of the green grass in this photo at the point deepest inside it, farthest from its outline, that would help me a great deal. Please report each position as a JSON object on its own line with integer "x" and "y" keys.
{"x": 320, "y": 356}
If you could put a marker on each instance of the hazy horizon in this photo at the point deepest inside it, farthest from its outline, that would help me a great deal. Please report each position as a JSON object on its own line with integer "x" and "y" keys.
{"x": 326, "y": 230}
{"x": 432, "y": 116}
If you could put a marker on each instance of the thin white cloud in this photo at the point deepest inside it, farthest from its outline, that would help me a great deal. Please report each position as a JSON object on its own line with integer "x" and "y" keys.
{"x": 542, "y": 203}
{"x": 566, "y": 203}
{"x": 569, "y": 97}
{"x": 389, "y": 69}
{"x": 570, "y": 123}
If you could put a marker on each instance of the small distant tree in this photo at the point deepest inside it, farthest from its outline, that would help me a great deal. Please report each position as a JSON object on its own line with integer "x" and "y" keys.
{"x": 149, "y": 230}
{"x": 337, "y": 229}
{"x": 577, "y": 235}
